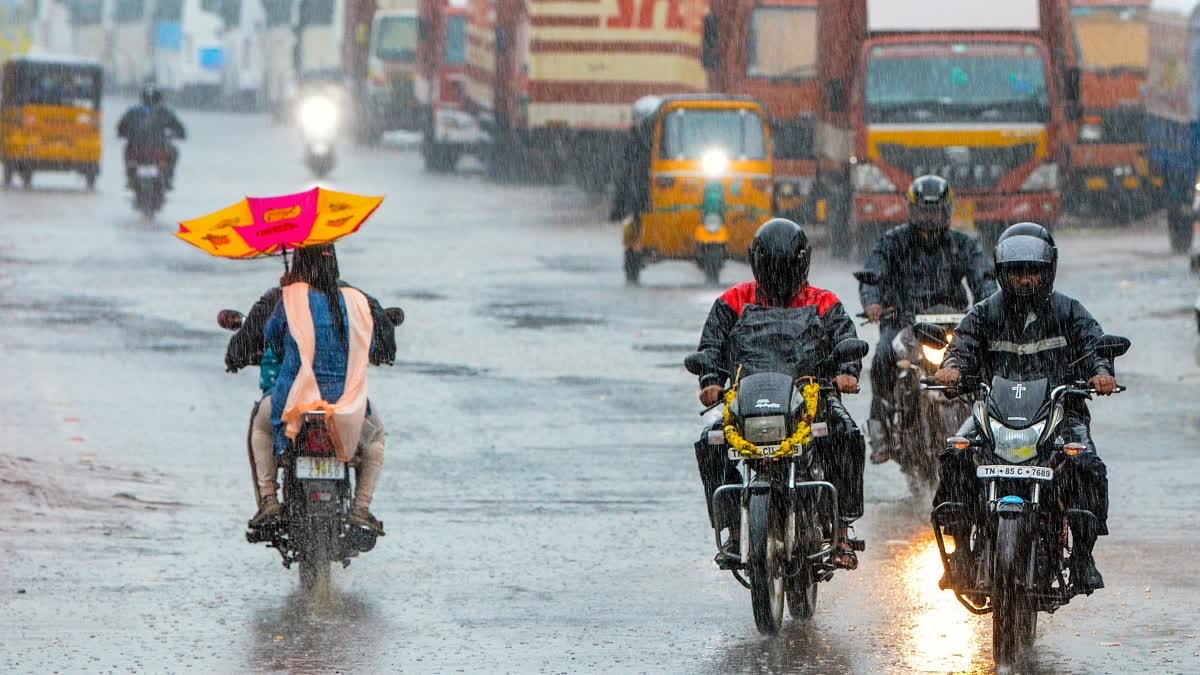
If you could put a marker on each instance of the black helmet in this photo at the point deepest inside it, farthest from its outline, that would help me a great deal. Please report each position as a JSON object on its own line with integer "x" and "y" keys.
{"x": 1026, "y": 246}
{"x": 151, "y": 95}
{"x": 930, "y": 204}
{"x": 779, "y": 258}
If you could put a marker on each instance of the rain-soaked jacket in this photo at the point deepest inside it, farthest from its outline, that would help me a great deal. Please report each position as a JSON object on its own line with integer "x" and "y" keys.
{"x": 743, "y": 331}
{"x": 1042, "y": 341}
{"x": 915, "y": 278}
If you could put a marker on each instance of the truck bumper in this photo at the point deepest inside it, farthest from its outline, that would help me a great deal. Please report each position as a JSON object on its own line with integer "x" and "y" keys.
{"x": 890, "y": 209}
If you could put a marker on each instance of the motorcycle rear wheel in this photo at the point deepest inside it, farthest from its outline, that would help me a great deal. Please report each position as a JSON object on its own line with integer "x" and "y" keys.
{"x": 315, "y": 561}
{"x": 767, "y": 583}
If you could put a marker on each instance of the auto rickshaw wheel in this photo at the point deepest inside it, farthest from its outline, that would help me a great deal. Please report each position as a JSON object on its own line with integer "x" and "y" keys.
{"x": 633, "y": 266}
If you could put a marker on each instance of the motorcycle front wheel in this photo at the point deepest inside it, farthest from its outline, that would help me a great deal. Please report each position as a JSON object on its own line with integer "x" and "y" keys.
{"x": 802, "y": 589}
{"x": 1014, "y": 618}
{"x": 767, "y": 583}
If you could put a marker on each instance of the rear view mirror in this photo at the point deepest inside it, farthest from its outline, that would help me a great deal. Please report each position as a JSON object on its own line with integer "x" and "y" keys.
{"x": 930, "y": 334}
{"x": 230, "y": 319}
{"x": 697, "y": 363}
{"x": 395, "y": 315}
{"x": 1112, "y": 346}
{"x": 850, "y": 350}
{"x": 868, "y": 277}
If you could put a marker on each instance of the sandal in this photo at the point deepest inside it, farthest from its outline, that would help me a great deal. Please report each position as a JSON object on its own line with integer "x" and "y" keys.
{"x": 844, "y": 557}
{"x": 362, "y": 518}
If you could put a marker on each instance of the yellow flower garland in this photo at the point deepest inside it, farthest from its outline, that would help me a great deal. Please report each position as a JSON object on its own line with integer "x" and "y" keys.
{"x": 790, "y": 445}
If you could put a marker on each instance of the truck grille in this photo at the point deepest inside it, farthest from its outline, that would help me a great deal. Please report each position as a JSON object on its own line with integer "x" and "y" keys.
{"x": 967, "y": 168}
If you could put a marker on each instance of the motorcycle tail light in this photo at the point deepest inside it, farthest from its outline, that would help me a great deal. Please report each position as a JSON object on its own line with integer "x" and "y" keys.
{"x": 317, "y": 441}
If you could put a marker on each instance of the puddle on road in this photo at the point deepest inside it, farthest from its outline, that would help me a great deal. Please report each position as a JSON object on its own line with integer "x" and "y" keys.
{"x": 940, "y": 636}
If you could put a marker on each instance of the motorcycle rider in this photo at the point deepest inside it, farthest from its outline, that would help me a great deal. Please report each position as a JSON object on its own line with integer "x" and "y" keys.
{"x": 918, "y": 265}
{"x": 149, "y": 128}
{"x": 1030, "y": 331}
{"x": 249, "y": 346}
{"x": 781, "y": 317}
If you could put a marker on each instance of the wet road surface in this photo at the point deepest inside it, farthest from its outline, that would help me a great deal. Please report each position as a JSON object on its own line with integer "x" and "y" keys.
{"x": 540, "y": 493}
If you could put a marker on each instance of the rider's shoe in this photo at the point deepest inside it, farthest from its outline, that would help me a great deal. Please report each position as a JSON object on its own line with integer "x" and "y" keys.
{"x": 268, "y": 510}
{"x": 881, "y": 453}
{"x": 844, "y": 557}
{"x": 1087, "y": 576}
{"x": 729, "y": 554}
{"x": 361, "y": 517}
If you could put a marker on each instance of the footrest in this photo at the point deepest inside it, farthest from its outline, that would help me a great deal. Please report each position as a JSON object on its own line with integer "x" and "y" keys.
{"x": 858, "y": 544}
{"x": 728, "y": 562}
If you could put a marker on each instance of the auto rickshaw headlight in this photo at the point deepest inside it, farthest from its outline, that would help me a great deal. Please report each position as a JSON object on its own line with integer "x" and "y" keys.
{"x": 715, "y": 162}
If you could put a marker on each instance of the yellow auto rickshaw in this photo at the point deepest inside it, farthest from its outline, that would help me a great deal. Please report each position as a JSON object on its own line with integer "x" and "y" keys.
{"x": 697, "y": 182}
{"x": 50, "y": 117}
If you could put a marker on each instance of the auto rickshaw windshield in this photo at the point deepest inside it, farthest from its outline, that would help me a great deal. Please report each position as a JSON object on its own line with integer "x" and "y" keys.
{"x": 689, "y": 134}
{"x": 53, "y": 84}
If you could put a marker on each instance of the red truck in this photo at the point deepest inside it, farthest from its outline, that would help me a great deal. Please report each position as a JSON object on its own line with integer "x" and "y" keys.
{"x": 976, "y": 91}
{"x": 768, "y": 49}
{"x": 448, "y": 129}
{"x": 1107, "y": 169}
{"x": 552, "y": 82}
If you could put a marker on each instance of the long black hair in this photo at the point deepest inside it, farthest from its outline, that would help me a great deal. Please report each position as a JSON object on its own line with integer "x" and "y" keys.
{"x": 317, "y": 266}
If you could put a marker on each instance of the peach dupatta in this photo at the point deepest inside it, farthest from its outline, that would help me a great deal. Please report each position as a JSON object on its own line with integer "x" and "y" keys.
{"x": 344, "y": 417}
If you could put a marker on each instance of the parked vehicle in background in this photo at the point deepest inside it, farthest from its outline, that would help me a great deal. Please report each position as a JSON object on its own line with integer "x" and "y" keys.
{"x": 767, "y": 49}
{"x": 1107, "y": 169}
{"x": 92, "y": 25}
{"x": 392, "y": 69}
{"x": 972, "y": 90}
{"x": 553, "y": 83}
{"x": 242, "y": 39}
{"x": 448, "y": 130}
{"x": 188, "y": 55}
{"x": 132, "y": 43}
{"x": 1172, "y": 114}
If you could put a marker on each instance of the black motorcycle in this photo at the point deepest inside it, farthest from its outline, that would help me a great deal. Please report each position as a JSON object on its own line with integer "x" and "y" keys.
{"x": 149, "y": 169}
{"x": 789, "y": 513}
{"x": 1021, "y": 544}
{"x": 314, "y": 529}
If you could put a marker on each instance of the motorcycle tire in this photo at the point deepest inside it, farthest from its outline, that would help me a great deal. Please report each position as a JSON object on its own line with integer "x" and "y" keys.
{"x": 1014, "y": 619}
{"x": 802, "y": 589}
{"x": 766, "y": 568}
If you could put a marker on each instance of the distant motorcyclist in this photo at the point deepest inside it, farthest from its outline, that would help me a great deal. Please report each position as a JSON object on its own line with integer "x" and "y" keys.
{"x": 781, "y": 317}
{"x": 631, "y": 183}
{"x": 149, "y": 128}
{"x": 1030, "y": 331}
{"x": 247, "y": 347}
{"x": 919, "y": 265}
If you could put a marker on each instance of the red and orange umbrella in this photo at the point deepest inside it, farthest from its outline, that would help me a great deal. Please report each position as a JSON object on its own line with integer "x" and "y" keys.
{"x": 260, "y": 226}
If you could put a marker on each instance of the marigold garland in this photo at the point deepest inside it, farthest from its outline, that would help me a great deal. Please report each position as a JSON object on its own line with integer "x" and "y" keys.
{"x": 790, "y": 445}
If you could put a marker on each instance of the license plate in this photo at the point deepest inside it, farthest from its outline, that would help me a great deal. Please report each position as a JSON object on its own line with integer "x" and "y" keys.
{"x": 963, "y": 217}
{"x": 328, "y": 468}
{"x": 147, "y": 171}
{"x": 1006, "y": 471}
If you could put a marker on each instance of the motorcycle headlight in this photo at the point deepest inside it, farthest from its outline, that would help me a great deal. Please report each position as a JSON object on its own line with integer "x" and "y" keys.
{"x": 714, "y": 162}
{"x": 318, "y": 116}
{"x": 933, "y": 356}
{"x": 766, "y": 430}
{"x": 870, "y": 178}
{"x": 1043, "y": 179}
{"x": 1016, "y": 446}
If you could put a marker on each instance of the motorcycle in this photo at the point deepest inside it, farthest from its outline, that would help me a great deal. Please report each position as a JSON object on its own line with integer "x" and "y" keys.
{"x": 314, "y": 529}
{"x": 1022, "y": 544}
{"x": 789, "y": 513}
{"x": 923, "y": 418}
{"x": 150, "y": 167}
{"x": 319, "y": 117}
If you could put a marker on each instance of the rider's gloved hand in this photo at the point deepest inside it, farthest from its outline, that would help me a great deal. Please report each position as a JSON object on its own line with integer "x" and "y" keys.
{"x": 946, "y": 377}
{"x": 847, "y": 384}
{"x": 874, "y": 313}
{"x": 1103, "y": 384}
{"x": 710, "y": 395}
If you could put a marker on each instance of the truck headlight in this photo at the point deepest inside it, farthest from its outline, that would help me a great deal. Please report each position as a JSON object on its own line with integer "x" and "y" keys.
{"x": 1091, "y": 133}
{"x": 1043, "y": 179}
{"x": 870, "y": 178}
